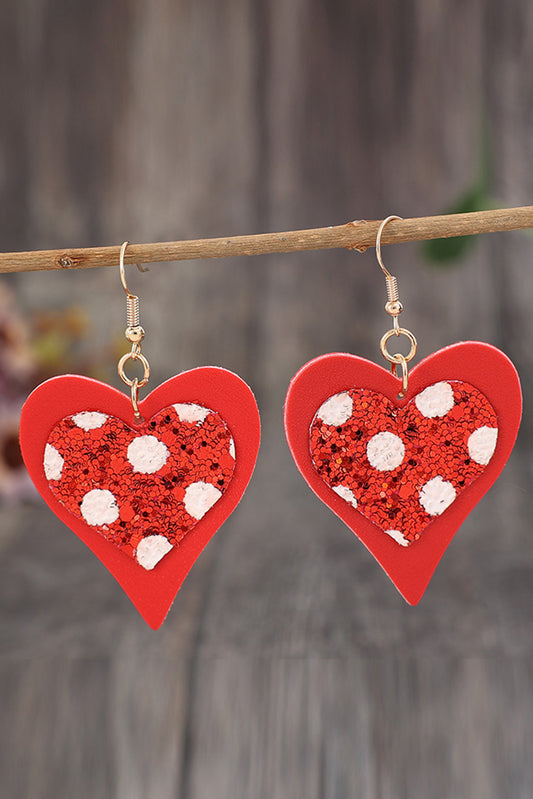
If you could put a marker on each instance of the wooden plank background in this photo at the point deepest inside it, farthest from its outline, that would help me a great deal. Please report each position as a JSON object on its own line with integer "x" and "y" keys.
{"x": 288, "y": 666}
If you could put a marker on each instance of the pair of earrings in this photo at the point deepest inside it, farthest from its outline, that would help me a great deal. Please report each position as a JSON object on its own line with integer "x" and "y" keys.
{"x": 401, "y": 457}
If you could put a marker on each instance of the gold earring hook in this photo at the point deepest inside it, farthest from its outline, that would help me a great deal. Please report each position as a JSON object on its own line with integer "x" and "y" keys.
{"x": 378, "y": 243}
{"x": 134, "y": 334}
{"x": 394, "y": 308}
{"x": 140, "y": 267}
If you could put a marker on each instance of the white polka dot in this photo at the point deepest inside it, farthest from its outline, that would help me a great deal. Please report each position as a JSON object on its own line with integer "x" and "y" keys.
{"x": 53, "y": 463}
{"x": 89, "y": 420}
{"x": 435, "y": 400}
{"x": 232, "y": 448}
{"x": 398, "y": 537}
{"x": 189, "y": 412}
{"x": 151, "y": 549}
{"x": 437, "y": 495}
{"x": 199, "y": 497}
{"x": 346, "y": 494}
{"x": 385, "y": 451}
{"x": 147, "y": 454}
{"x": 482, "y": 443}
{"x": 336, "y": 410}
{"x": 99, "y": 507}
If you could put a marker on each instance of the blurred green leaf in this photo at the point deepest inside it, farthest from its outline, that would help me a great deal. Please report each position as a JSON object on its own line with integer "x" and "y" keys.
{"x": 448, "y": 252}
{"x": 442, "y": 252}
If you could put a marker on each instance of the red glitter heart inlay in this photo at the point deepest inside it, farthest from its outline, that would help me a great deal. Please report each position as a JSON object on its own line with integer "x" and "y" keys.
{"x": 403, "y": 467}
{"x": 142, "y": 489}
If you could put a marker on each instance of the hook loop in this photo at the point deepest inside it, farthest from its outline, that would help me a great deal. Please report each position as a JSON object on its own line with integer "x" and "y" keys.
{"x": 134, "y": 356}
{"x": 401, "y": 331}
{"x": 403, "y": 363}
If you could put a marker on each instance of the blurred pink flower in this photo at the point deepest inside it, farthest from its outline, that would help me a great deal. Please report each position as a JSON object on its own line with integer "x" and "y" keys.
{"x": 16, "y": 360}
{"x": 33, "y": 348}
{"x": 15, "y": 483}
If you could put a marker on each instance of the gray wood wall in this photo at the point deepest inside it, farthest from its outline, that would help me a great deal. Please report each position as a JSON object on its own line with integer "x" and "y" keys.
{"x": 289, "y": 666}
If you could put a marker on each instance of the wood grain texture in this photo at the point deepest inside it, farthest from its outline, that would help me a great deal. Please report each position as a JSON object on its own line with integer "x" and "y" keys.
{"x": 288, "y": 666}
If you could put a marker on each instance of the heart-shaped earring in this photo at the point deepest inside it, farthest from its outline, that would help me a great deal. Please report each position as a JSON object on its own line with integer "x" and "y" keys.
{"x": 403, "y": 460}
{"x": 145, "y": 484}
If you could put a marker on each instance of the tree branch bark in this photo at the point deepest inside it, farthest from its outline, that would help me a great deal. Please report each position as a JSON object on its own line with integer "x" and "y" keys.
{"x": 357, "y": 235}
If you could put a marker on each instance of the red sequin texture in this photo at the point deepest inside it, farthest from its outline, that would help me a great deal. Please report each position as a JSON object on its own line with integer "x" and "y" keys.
{"x": 186, "y": 452}
{"x": 434, "y": 447}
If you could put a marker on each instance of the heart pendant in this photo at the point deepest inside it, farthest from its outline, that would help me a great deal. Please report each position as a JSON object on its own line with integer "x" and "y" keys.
{"x": 145, "y": 496}
{"x": 404, "y": 473}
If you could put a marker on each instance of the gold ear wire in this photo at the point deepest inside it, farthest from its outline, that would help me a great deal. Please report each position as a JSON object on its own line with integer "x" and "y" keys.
{"x": 394, "y": 308}
{"x": 134, "y": 334}
{"x": 378, "y": 242}
{"x": 140, "y": 267}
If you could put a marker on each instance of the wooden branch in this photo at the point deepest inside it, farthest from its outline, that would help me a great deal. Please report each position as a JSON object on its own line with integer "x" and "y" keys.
{"x": 358, "y": 235}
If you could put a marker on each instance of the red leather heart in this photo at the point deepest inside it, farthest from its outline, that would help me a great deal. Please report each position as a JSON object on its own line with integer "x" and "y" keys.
{"x": 140, "y": 484}
{"x": 486, "y": 395}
